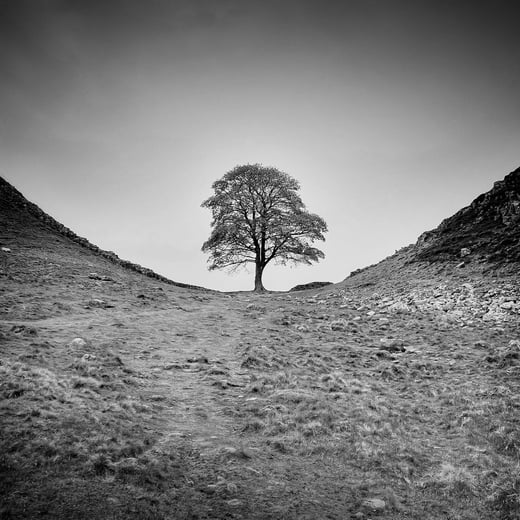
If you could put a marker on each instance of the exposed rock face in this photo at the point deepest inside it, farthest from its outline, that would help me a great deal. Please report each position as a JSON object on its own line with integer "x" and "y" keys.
{"x": 488, "y": 229}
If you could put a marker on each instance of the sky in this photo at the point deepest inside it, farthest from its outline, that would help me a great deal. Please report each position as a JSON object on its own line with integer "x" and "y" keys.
{"x": 116, "y": 116}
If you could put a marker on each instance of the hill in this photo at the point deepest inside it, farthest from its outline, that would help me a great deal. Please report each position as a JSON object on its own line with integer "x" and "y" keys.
{"x": 394, "y": 394}
{"x": 488, "y": 230}
{"x": 468, "y": 267}
{"x": 23, "y": 221}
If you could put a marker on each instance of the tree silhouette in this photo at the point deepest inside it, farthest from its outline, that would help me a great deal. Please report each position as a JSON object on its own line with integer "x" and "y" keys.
{"x": 258, "y": 217}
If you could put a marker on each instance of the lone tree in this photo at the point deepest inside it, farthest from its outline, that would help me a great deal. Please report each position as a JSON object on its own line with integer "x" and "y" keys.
{"x": 258, "y": 217}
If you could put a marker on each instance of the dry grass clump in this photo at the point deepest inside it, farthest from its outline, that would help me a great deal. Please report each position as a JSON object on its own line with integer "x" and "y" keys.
{"x": 497, "y": 422}
{"x": 261, "y": 383}
{"x": 295, "y": 415}
{"x": 262, "y": 356}
{"x": 450, "y": 479}
{"x": 17, "y": 379}
{"x": 505, "y": 497}
{"x": 50, "y": 418}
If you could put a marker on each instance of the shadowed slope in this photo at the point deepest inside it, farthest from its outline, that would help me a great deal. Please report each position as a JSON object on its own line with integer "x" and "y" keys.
{"x": 22, "y": 221}
{"x": 489, "y": 228}
{"x": 480, "y": 240}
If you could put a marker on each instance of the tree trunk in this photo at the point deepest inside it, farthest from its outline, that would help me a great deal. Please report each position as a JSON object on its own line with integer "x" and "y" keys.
{"x": 259, "y": 286}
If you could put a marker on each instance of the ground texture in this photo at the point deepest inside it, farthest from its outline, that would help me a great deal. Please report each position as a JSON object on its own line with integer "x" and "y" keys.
{"x": 122, "y": 397}
{"x": 394, "y": 394}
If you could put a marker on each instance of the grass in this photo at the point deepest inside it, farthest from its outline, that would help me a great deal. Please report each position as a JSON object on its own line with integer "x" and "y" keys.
{"x": 327, "y": 407}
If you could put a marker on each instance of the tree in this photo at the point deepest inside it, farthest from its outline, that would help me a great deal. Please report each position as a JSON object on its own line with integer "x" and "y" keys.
{"x": 258, "y": 217}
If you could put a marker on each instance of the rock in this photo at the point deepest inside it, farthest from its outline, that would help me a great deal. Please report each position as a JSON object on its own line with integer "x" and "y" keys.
{"x": 375, "y": 504}
{"x": 235, "y": 502}
{"x": 392, "y": 345}
{"x": 302, "y": 328}
{"x": 399, "y": 307}
{"x": 102, "y": 278}
{"x": 339, "y": 325}
{"x": 98, "y": 303}
{"x": 78, "y": 343}
{"x": 6, "y": 250}
{"x": 157, "y": 397}
{"x": 24, "y": 330}
{"x": 465, "y": 251}
{"x": 201, "y": 359}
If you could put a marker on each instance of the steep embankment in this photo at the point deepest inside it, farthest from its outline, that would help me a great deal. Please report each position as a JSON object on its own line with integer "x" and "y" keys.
{"x": 488, "y": 230}
{"x": 468, "y": 267}
{"x": 22, "y": 220}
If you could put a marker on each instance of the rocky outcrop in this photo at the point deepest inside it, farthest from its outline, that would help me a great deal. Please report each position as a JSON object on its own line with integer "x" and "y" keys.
{"x": 486, "y": 230}
{"x": 464, "y": 303}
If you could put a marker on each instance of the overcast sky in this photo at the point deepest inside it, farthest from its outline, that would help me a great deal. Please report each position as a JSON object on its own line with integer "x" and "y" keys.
{"x": 116, "y": 116}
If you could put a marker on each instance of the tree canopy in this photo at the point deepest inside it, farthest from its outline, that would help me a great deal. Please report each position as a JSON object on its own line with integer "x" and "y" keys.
{"x": 258, "y": 217}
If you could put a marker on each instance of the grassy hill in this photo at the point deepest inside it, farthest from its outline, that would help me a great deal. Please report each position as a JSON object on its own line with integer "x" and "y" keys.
{"x": 394, "y": 394}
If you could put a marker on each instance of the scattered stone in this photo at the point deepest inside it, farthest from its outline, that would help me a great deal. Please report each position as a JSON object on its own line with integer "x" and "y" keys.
{"x": 157, "y": 397}
{"x": 98, "y": 303}
{"x": 339, "y": 325}
{"x": 375, "y": 504}
{"x": 302, "y": 328}
{"x": 224, "y": 384}
{"x": 24, "y": 330}
{"x": 235, "y": 502}
{"x": 201, "y": 359}
{"x": 102, "y": 278}
{"x": 78, "y": 343}
{"x": 399, "y": 307}
{"x": 239, "y": 453}
{"x": 392, "y": 345}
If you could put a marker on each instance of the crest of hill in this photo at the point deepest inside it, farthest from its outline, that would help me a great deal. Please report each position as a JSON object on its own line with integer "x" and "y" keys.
{"x": 23, "y": 222}
{"x": 482, "y": 239}
{"x": 489, "y": 228}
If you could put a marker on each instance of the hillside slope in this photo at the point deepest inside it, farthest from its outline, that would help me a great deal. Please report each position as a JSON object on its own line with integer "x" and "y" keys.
{"x": 22, "y": 221}
{"x": 468, "y": 267}
{"x": 393, "y": 395}
{"x": 486, "y": 230}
